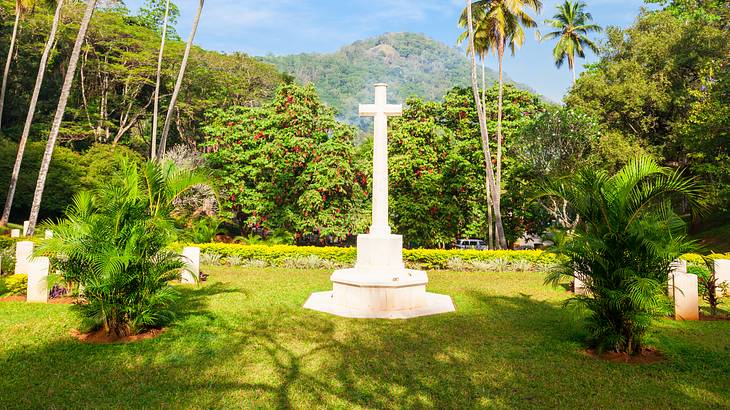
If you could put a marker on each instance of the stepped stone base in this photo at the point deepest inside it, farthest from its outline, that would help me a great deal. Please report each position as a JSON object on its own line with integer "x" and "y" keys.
{"x": 379, "y": 286}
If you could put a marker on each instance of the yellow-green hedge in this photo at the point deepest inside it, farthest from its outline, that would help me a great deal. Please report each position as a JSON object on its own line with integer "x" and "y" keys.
{"x": 425, "y": 258}
{"x": 276, "y": 255}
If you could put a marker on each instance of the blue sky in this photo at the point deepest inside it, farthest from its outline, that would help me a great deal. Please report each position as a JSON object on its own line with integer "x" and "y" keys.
{"x": 301, "y": 26}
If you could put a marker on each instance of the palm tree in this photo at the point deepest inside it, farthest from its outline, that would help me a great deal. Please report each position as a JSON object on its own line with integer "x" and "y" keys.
{"x": 21, "y": 6}
{"x": 60, "y": 111}
{"x": 31, "y": 113}
{"x": 155, "y": 113}
{"x": 114, "y": 242}
{"x": 178, "y": 83}
{"x": 623, "y": 247}
{"x": 499, "y": 24}
{"x": 484, "y": 132}
{"x": 573, "y": 27}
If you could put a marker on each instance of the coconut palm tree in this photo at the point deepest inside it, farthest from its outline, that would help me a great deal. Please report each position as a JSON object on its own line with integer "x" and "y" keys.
{"x": 60, "y": 111}
{"x": 497, "y": 25}
{"x": 31, "y": 113}
{"x": 155, "y": 113}
{"x": 178, "y": 83}
{"x": 573, "y": 26}
{"x": 622, "y": 250}
{"x": 21, "y": 6}
{"x": 484, "y": 132}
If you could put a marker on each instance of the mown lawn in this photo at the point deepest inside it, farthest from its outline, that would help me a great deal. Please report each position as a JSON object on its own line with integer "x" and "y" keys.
{"x": 243, "y": 341}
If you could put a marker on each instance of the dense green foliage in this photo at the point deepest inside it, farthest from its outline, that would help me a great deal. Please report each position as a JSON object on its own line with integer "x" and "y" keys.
{"x": 664, "y": 84}
{"x": 113, "y": 244}
{"x": 623, "y": 249}
{"x": 288, "y": 167}
{"x": 413, "y": 66}
{"x": 111, "y": 99}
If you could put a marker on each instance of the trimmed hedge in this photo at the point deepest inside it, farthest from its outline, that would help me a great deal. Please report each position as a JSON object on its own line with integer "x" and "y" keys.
{"x": 277, "y": 255}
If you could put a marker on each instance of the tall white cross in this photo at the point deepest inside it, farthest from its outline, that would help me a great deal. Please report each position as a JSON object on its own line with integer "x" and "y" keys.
{"x": 381, "y": 110}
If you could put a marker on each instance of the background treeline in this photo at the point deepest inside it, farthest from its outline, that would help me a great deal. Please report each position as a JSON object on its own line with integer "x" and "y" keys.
{"x": 287, "y": 170}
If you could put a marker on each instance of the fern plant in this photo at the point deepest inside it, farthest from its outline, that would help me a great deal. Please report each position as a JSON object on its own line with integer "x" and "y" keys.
{"x": 622, "y": 250}
{"x": 113, "y": 242}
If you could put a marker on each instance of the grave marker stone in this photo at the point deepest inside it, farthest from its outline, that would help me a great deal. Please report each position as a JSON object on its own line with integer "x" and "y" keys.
{"x": 38, "y": 280}
{"x": 191, "y": 257}
{"x": 23, "y": 256}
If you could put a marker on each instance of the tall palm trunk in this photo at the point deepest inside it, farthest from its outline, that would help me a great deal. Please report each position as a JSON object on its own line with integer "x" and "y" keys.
{"x": 60, "y": 111}
{"x": 571, "y": 63}
{"x": 29, "y": 117}
{"x": 498, "y": 185}
{"x": 490, "y": 211}
{"x": 4, "y": 85}
{"x": 155, "y": 114}
{"x": 178, "y": 83}
{"x": 486, "y": 149}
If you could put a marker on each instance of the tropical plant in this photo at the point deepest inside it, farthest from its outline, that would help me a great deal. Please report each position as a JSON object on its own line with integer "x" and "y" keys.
{"x": 711, "y": 289}
{"x": 31, "y": 114}
{"x": 60, "y": 111}
{"x": 178, "y": 83}
{"x": 113, "y": 242}
{"x": 573, "y": 26}
{"x": 499, "y": 25}
{"x": 622, "y": 250}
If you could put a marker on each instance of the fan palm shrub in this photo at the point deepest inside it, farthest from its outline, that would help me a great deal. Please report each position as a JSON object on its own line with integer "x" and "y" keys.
{"x": 623, "y": 248}
{"x": 113, "y": 242}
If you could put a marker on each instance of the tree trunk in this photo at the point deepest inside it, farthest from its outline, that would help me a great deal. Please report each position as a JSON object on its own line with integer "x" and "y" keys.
{"x": 155, "y": 113}
{"x": 490, "y": 214}
{"x": 29, "y": 118}
{"x": 486, "y": 149}
{"x": 58, "y": 118}
{"x": 573, "y": 70}
{"x": 13, "y": 38}
{"x": 178, "y": 83}
{"x": 497, "y": 204}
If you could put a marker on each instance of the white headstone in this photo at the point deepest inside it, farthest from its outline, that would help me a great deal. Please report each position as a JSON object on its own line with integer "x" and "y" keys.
{"x": 15, "y": 233}
{"x": 26, "y": 224}
{"x": 380, "y": 286}
{"x": 38, "y": 280}
{"x": 191, "y": 257}
{"x": 579, "y": 287}
{"x": 722, "y": 273}
{"x": 23, "y": 256}
{"x": 49, "y": 234}
{"x": 679, "y": 265}
{"x": 686, "y": 296}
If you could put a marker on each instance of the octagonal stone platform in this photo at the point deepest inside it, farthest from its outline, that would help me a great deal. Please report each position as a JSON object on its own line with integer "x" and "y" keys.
{"x": 379, "y": 286}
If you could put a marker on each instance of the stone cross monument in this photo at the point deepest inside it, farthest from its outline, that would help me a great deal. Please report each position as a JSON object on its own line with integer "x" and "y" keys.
{"x": 380, "y": 286}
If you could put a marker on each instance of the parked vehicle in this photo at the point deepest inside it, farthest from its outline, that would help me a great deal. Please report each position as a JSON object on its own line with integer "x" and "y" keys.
{"x": 477, "y": 244}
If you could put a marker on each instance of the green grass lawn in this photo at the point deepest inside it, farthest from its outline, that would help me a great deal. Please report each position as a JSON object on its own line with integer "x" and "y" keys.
{"x": 242, "y": 340}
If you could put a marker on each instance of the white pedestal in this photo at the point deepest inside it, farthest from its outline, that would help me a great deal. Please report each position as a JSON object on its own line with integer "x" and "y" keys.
{"x": 15, "y": 233}
{"x": 191, "y": 258}
{"x": 379, "y": 286}
{"x": 26, "y": 224}
{"x": 49, "y": 234}
{"x": 686, "y": 297}
{"x": 23, "y": 256}
{"x": 722, "y": 273}
{"x": 38, "y": 280}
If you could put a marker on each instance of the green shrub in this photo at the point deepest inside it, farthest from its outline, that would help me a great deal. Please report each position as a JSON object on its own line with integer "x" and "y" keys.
{"x": 14, "y": 284}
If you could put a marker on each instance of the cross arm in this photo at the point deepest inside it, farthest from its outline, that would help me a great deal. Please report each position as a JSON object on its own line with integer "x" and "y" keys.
{"x": 371, "y": 110}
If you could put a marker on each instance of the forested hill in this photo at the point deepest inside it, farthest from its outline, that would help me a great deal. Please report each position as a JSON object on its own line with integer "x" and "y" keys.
{"x": 411, "y": 64}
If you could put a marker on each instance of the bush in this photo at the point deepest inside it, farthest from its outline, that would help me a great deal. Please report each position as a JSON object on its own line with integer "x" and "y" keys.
{"x": 63, "y": 182}
{"x": 115, "y": 241}
{"x": 14, "y": 285}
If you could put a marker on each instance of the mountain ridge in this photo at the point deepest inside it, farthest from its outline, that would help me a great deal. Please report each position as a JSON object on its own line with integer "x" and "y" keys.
{"x": 412, "y": 64}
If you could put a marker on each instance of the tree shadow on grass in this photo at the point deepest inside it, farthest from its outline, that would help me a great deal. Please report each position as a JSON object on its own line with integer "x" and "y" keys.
{"x": 497, "y": 352}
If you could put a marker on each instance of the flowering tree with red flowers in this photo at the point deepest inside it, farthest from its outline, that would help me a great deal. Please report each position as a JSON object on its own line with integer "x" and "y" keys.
{"x": 288, "y": 167}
